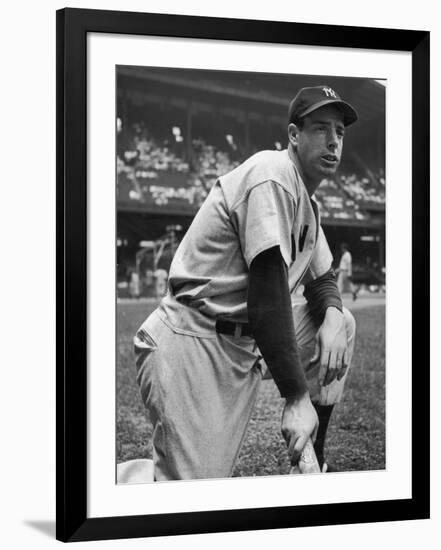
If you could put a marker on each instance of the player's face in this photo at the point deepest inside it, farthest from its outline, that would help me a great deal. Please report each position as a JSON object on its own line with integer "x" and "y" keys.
{"x": 320, "y": 143}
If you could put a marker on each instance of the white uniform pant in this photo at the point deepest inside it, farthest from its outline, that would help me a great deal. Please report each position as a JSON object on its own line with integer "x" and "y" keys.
{"x": 200, "y": 387}
{"x": 344, "y": 282}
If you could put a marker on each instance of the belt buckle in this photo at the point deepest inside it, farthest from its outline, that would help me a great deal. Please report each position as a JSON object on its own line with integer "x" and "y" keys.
{"x": 237, "y": 330}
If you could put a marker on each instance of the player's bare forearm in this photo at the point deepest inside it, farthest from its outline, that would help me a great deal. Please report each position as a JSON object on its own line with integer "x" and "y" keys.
{"x": 331, "y": 346}
{"x": 299, "y": 424}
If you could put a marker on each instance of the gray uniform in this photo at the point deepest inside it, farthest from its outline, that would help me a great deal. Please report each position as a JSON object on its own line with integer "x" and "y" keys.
{"x": 199, "y": 385}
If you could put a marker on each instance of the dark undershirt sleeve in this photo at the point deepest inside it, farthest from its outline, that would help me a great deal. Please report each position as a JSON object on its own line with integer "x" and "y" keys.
{"x": 270, "y": 317}
{"x": 322, "y": 293}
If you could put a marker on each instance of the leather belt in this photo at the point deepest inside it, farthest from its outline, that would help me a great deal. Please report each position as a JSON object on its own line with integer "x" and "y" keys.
{"x": 234, "y": 329}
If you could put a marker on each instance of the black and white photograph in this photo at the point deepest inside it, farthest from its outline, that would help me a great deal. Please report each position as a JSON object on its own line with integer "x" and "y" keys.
{"x": 251, "y": 274}
{"x": 241, "y": 338}
{"x": 218, "y": 221}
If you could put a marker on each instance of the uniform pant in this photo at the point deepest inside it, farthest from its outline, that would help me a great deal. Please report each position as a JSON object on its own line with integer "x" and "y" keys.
{"x": 344, "y": 282}
{"x": 200, "y": 387}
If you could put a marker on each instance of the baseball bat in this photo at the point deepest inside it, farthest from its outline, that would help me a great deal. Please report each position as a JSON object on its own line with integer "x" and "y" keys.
{"x": 308, "y": 463}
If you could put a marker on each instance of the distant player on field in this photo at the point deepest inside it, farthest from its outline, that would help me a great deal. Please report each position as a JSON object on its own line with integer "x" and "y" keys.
{"x": 255, "y": 239}
{"x": 344, "y": 271}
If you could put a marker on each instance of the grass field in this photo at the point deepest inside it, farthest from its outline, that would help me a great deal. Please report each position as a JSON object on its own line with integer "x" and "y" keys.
{"x": 356, "y": 436}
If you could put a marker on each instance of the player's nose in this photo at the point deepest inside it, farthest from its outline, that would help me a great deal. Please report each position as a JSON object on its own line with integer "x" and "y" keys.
{"x": 332, "y": 140}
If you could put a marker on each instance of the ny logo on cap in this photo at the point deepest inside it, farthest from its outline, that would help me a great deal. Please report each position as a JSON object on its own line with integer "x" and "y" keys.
{"x": 330, "y": 92}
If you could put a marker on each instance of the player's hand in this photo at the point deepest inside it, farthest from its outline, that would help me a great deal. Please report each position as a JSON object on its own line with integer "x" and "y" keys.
{"x": 299, "y": 423}
{"x": 331, "y": 347}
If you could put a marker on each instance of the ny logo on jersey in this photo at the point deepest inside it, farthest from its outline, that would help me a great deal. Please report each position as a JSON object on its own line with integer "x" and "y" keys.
{"x": 330, "y": 92}
{"x": 302, "y": 238}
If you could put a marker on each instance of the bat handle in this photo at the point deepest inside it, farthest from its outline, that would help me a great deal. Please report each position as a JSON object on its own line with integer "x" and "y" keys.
{"x": 308, "y": 463}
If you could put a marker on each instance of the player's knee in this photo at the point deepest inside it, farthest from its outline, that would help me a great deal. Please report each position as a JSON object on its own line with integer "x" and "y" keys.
{"x": 350, "y": 323}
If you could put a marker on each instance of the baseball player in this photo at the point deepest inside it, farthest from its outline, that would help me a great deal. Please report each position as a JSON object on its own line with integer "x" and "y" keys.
{"x": 255, "y": 239}
{"x": 344, "y": 271}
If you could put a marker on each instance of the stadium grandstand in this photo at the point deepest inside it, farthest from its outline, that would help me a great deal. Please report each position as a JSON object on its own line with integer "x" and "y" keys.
{"x": 178, "y": 130}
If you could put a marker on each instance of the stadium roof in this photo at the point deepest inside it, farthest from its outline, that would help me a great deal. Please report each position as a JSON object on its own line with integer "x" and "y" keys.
{"x": 366, "y": 95}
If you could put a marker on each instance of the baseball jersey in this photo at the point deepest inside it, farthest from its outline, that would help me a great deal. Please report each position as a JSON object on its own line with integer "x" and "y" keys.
{"x": 260, "y": 204}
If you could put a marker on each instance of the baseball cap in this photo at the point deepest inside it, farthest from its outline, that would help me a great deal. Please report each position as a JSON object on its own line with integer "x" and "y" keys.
{"x": 310, "y": 99}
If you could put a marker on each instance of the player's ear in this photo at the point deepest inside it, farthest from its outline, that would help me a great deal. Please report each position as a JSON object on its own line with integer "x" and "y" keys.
{"x": 293, "y": 134}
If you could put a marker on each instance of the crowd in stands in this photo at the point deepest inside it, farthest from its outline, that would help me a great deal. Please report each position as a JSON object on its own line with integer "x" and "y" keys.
{"x": 365, "y": 190}
{"x": 142, "y": 160}
{"x": 148, "y": 155}
{"x": 334, "y": 202}
{"x": 161, "y": 170}
{"x": 208, "y": 162}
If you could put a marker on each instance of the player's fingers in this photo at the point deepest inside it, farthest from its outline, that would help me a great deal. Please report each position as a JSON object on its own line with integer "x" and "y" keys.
{"x": 291, "y": 445}
{"x": 344, "y": 365}
{"x": 338, "y": 365}
{"x": 332, "y": 369}
{"x": 324, "y": 360}
{"x": 316, "y": 355}
{"x": 333, "y": 375}
{"x": 324, "y": 365}
{"x": 342, "y": 372}
{"x": 333, "y": 362}
{"x": 298, "y": 448}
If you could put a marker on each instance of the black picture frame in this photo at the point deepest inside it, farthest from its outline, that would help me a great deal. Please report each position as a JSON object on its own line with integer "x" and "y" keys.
{"x": 73, "y": 25}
